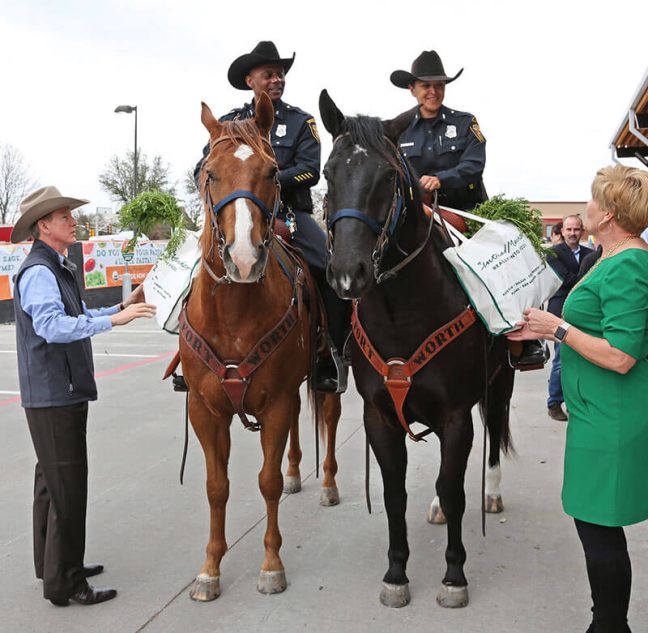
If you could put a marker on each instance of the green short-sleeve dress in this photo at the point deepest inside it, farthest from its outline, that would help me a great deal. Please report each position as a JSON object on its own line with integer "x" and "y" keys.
{"x": 606, "y": 455}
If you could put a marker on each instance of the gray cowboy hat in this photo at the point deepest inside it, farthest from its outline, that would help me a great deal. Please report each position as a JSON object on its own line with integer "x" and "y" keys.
{"x": 37, "y": 205}
{"x": 262, "y": 53}
{"x": 426, "y": 67}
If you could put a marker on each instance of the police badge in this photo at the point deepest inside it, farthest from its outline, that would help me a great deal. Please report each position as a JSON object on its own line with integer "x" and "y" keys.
{"x": 281, "y": 130}
{"x": 451, "y": 131}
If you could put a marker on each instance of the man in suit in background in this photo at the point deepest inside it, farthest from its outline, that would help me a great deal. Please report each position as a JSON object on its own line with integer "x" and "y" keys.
{"x": 568, "y": 255}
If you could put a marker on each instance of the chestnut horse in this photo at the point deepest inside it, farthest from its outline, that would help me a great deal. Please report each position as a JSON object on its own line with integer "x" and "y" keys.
{"x": 419, "y": 353}
{"x": 247, "y": 337}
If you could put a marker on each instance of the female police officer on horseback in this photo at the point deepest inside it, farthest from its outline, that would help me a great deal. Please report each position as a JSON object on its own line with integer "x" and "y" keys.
{"x": 447, "y": 150}
{"x": 296, "y": 145}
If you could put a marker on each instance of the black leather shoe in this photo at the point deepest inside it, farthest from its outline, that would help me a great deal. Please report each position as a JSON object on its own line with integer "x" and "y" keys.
{"x": 326, "y": 376}
{"x": 179, "y": 383}
{"x": 87, "y": 596}
{"x": 534, "y": 356}
{"x": 91, "y": 569}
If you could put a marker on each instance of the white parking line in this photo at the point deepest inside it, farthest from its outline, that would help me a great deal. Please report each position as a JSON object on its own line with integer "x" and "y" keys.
{"x": 102, "y": 354}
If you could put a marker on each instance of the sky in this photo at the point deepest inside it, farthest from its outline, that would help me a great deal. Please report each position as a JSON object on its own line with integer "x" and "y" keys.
{"x": 549, "y": 82}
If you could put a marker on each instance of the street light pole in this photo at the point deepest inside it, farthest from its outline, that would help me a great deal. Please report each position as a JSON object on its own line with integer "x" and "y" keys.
{"x": 129, "y": 110}
{"x": 126, "y": 277}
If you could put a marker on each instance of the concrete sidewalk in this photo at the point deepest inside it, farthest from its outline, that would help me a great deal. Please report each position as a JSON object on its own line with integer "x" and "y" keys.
{"x": 528, "y": 574}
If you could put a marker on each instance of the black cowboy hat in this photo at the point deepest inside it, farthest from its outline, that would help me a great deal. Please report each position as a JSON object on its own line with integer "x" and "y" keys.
{"x": 262, "y": 53}
{"x": 426, "y": 67}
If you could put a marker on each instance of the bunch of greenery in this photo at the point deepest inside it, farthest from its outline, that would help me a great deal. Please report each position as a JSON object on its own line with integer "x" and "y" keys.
{"x": 150, "y": 209}
{"x": 515, "y": 210}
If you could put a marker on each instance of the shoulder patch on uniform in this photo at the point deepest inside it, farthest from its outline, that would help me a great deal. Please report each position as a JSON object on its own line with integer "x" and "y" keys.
{"x": 313, "y": 128}
{"x": 474, "y": 128}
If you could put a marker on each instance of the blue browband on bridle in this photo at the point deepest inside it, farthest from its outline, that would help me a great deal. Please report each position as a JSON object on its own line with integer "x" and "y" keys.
{"x": 369, "y": 221}
{"x": 244, "y": 193}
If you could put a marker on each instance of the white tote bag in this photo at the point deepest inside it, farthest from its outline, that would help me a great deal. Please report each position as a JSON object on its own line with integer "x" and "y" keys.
{"x": 169, "y": 282}
{"x": 501, "y": 272}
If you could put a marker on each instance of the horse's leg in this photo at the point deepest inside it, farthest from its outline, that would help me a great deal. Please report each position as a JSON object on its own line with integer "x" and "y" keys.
{"x": 332, "y": 408}
{"x": 456, "y": 441}
{"x": 492, "y": 494}
{"x": 292, "y": 480}
{"x": 497, "y": 422}
{"x": 435, "y": 513}
{"x": 274, "y": 434}
{"x": 388, "y": 444}
{"x": 214, "y": 435}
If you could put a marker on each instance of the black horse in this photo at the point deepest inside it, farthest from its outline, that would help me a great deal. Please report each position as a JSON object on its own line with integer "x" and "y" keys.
{"x": 387, "y": 256}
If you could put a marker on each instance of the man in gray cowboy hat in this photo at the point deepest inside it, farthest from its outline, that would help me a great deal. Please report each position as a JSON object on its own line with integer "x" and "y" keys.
{"x": 56, "y": 373}
{"x": 447, "y": 150}
{"x": 296, "y": 145}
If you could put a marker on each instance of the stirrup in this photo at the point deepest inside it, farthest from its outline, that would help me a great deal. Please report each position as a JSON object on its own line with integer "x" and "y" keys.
{"x": 340, "y": 382}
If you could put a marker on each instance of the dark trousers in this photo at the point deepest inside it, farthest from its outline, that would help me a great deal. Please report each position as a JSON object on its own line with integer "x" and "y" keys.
{"x": 311, "y": 240}
{"x": 610, "y": 576}
{"x": 60, "y": 497}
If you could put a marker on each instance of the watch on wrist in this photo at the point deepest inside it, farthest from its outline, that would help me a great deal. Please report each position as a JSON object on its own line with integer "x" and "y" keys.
{"x": 561, "y": 331}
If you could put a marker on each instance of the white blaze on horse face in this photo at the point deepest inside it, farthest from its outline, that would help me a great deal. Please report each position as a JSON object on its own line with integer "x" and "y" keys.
{"x": 358, "y": 149}
{"x": 243, "y": 152}
{"x": 242, "y": 251}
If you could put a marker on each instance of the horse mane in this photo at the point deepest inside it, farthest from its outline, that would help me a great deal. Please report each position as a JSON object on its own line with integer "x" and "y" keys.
{"x": 368, "y": 132}
{"x": 245, "y": 132}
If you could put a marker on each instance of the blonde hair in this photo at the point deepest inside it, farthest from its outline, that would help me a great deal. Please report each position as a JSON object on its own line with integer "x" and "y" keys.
{"x": 624, "y": 192}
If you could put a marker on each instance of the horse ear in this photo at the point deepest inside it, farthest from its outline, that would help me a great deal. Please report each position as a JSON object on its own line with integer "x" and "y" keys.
{"x": 332, "y": 118}
{"x": 264, "y": 114}
{"x": 395, "y": 127}
{"x": 209, "y": 120}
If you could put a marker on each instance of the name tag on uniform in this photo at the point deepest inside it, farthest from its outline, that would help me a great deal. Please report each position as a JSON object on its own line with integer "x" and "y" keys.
{"x": 407, "y": 144}
{"x": 451, "y": 131}
{"x": 281, "y": 130}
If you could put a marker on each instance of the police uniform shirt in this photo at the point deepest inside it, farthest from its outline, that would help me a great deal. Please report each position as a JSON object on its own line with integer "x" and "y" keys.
{"x": 296, "y": 146}
{"x": 452, "y": 148}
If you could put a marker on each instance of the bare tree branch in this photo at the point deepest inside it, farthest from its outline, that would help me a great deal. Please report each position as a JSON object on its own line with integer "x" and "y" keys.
{"x": 117, "y": 178}
{"x": 15, "y": 182}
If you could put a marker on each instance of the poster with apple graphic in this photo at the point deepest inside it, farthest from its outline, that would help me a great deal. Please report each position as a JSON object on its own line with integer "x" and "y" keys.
{"x": 104, "y": 265}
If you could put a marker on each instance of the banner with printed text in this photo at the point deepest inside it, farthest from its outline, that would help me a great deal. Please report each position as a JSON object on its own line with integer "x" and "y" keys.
{"x": 11, "y": 258}
{"x": 104, "y": 264}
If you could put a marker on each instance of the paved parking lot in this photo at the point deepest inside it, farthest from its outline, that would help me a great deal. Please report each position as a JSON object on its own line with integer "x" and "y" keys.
{"x": 528, "y": 573}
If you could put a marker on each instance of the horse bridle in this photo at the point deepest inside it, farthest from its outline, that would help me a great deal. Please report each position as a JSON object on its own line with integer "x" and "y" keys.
{"x": 389, "y": 229}
{"x": 214, "y": 210}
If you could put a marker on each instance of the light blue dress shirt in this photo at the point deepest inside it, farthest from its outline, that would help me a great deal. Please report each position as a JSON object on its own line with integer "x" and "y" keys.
{"x": 40, "y": 298}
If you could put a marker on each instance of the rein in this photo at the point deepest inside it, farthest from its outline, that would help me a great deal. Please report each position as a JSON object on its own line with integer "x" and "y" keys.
{"x": 388, "y": 230}
{"x": 397, "y": 373}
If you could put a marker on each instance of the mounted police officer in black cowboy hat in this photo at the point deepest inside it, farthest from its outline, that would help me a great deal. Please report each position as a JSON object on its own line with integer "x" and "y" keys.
{"x": 445, "y": 146}
{"x": 296, "y": 145}
{"x": 447, "y": 150}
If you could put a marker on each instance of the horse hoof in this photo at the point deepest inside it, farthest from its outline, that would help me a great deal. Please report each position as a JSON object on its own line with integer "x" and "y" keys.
{"x": 494, "y": 504}
{"x": 395, "y": 596}
{"x": 329, "y": 496}
{"x": 292, "y": 484}
{"x": 271, "y": 582}
{"x": 435, "y": 515}
{"x": 452, "y": 597}
{"x": 205, "y": 588}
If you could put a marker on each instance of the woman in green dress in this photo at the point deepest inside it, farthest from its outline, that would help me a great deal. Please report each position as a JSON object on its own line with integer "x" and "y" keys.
{"x": 604, "y": 336}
